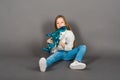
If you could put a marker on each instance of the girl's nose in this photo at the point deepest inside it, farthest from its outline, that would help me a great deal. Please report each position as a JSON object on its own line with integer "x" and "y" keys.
{"x": 61, "y": 24}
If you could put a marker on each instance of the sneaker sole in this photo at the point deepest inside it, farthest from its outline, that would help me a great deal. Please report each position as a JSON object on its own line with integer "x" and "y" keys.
{"x": 42, "y": 64}
{"x": 79, "y": 66}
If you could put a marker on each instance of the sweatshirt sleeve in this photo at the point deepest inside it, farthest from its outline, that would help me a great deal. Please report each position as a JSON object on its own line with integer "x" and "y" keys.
{"x": 69, "y": 41}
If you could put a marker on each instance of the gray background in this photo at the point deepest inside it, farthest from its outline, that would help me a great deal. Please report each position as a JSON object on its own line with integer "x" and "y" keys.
{"x": 24, "y": 23}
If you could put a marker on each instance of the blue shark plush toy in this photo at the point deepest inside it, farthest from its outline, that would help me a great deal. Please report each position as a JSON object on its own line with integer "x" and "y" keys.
{"x": 55, "y": 39}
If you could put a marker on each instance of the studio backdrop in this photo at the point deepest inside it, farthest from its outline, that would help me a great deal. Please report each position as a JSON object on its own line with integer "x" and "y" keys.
{"x": 24, "y": 24}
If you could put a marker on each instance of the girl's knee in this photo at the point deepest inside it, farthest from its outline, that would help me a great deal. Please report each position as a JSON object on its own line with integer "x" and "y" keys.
{"x": 83, "y": 47}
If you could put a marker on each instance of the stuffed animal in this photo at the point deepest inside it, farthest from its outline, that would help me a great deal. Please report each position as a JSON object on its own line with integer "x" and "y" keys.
{"x": 55, "y": 39}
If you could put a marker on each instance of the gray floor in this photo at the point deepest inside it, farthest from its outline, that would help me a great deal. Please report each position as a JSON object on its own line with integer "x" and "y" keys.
{"x": 99, "y": 67}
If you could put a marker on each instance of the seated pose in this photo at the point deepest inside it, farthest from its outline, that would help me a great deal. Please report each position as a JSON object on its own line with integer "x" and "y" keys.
{"x": 65, "y": 49}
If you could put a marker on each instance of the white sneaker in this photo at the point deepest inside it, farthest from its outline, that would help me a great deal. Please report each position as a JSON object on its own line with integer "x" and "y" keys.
{"x": 42, "y": 64}
{"x": 77, "y": 65}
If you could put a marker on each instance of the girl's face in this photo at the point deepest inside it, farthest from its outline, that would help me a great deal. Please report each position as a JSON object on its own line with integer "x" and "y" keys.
{"x": 60, "y": 22}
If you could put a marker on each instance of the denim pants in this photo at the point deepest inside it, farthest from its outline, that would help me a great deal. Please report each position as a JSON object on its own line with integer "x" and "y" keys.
{"x": 76, "y": 54}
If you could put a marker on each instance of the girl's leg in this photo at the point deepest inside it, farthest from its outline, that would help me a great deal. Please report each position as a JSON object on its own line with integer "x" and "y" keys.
{"x": 72, "y": 54}
{"x": 77, "y": 64}
{"x": 80, "y": 53}
{"x": 57, "y": 56}
{"x": 44, "y": 63}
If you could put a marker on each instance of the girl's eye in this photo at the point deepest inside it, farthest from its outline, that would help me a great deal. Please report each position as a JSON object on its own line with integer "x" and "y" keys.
{"x": 57, "y": 23}
{"x": 61, "y": 22}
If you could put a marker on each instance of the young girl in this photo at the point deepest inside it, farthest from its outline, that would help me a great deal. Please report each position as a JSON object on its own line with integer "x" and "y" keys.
{"x": 65, "y": 50}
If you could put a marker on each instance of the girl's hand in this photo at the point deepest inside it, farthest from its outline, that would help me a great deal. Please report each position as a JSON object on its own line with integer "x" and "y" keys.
{"x": 49, "y": 40}
{"x": 62, "y": 44}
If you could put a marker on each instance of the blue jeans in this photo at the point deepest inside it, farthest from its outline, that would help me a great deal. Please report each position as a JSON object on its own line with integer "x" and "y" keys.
{"x": 76, "y": 53}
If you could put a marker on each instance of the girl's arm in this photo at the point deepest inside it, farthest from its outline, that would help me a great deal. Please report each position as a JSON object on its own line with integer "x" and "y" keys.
{"x": 49, "y": 40}
{"x": 62, "y": 44}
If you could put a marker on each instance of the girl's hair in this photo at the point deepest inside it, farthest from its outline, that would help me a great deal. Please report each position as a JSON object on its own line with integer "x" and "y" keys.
{"x": 67, "y": 26}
